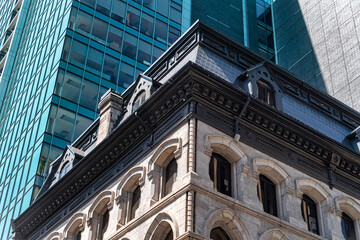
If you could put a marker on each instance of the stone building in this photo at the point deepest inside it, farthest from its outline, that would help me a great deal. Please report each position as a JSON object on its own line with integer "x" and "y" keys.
{"x": 211, "y": 142}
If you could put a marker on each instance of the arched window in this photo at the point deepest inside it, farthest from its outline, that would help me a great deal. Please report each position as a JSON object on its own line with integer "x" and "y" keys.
{"x": 219, "y": 234}
{"x": 169, "y": 176}
{"x": 266, "y": 93}
{"x": 267, "y": 195}
{"x": 104, "y": 222}
{"x": 135, "y": 202}
{"x": 65, "y": 168}
{"x": 309, "y": 213}
{"x": 169, "y": 236}
{"x": 140, "y": 99}
{"x": 220, "y": 174}
{"x": 347, "y": 227}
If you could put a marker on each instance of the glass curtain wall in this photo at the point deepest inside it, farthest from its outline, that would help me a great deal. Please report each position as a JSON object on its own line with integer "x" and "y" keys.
{"x": 27, "y": 104}
{"x": 70, "y": 52}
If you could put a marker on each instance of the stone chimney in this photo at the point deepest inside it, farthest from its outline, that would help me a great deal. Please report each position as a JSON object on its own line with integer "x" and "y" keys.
{"x": 110, "y": 107}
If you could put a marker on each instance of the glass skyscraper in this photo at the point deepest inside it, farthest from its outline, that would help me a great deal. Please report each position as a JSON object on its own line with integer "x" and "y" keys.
{"x": 58, "y": 57}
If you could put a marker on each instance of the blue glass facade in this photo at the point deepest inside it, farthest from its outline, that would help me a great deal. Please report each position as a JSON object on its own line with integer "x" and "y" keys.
{"x": 69, "y": 54}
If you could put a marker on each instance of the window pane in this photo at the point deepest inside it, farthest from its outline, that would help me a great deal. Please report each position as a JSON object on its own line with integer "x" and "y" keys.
{"x": 149, "y": 3}
{"x": 78, "y": 53}
{"x": 90, "y": 3}
{"x": 89, "y": 95}
{"x": 126, "y": 74}
{"x": 160, "y": 31}
{"x": 129, "y": 47}
{"x": 170, "y": 175}
{"x": 267, "y": 195}
{"x": 103, "y": 6}
{"x": 73, "y": 15}
{"x": 99, "y": 30}
{"x": 133, "y": 17}
{"x": 147, "y": 25}
{"x": 173, "y": 34}
{"x": 144, "y": 53}
{"x": 156, "y": 53}
{"x": 111, "y": 69}
{"x": 59, "y": 82}
{"x": 135, "y": 201}
{"x": 94, "y": 61}
{"x": 175, "y": 12}
{"x": 71, "y": 87}
{"x": 83, "y": 23}
{"x": 114, "y": 38}
{"x": 81, "y": 124}
{"x": 162, "y": 6}
{"x": 64, "y": 124}
{"x": 66, "y": 49}
{"x": 118, "y": 11}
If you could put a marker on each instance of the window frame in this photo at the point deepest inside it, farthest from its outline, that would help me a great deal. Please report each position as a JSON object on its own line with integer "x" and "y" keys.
{"x": 267, "y": 90}
{"x": 263, "y": 186}
{"x": 215, "y": 174}
{"x": 346, "y": 218}
{"x": 312, "y": 207}
{"x": 164, "y": 188}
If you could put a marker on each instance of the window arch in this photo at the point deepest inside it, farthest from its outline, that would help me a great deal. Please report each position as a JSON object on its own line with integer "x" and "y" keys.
{"x": 220, "y": 173}
{"x": 162, "y": 227}
{"x": 309, "y": 214}
{"x": 129, "y": 194}
{"x": 266, "y": 191}
{"x": 276, "y": 175}
{"x": 230, "y": 150}
{"x": 54, "y": 236}
{"x": 349, "y": 211}
{"x": 98, "y": 217}
{"x": 273, "y": 234}
{"x": 229, "y": 221}
{"x": 265, "y": 92}
{"x": 74, "y": 228}
{"x": 162, "y": 168}
{"x": 317, "y": 198}
{"x": 218, "y": 234}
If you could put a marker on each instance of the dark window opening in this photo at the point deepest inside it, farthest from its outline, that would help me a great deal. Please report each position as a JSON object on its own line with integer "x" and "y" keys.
{"x": 78, "y": 236}
{"x": 267, "y": 195}
{"x": 135, "y": 202}
{"x": 309, "y": 214}
{"x": 266, "y": 93}
{"x": 170, "y": 176}
{"x": 347, "y": 227}
{"x": 104, "y": 224}
{"x": 220, "y": 174}
{"x": 218, "y": 234}
{"x": 169, "y": 236}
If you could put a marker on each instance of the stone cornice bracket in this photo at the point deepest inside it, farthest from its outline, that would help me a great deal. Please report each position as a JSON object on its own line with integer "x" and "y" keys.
{"x": 151, "y": 141}
{"x": 237, "y": 134}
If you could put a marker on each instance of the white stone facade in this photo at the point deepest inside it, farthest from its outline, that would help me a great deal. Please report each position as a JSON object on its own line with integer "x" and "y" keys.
{"x": 194, "y": 208}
